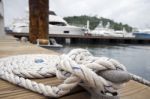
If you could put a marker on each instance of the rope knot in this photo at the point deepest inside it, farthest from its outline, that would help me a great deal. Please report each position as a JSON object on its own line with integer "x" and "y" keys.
{"x": 101, "y": 76}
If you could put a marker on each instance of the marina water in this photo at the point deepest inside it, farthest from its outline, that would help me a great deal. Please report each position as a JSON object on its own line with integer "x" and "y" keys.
{"x": 135, "y": 58}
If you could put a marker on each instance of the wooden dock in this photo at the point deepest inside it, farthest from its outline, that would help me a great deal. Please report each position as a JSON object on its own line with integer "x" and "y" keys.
{"x": 9, "y": 46}
{"x": 61, "y": 38}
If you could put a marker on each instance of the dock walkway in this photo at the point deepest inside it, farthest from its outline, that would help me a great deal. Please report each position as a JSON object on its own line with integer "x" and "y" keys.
{"x": 9, "y": 46}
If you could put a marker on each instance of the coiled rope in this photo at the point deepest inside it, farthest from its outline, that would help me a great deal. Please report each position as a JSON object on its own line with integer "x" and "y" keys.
{"x": 98, "y": 75}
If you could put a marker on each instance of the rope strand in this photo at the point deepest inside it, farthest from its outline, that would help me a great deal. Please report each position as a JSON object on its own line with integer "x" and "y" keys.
{"x": 140, "y": 80}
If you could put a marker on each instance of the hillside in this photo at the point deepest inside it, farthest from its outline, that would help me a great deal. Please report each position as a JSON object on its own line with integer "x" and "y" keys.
{"x": 94, "y": 21}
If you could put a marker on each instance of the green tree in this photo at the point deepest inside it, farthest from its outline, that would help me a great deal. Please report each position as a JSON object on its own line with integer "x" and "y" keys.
{"x": 94, "y": 21}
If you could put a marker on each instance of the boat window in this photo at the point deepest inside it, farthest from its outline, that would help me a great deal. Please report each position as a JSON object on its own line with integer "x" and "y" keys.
{"x": 66, "y": 32}
{"x": 52, "y": 13}
{"x": 23, "y": 26}
{"x": 57, "y": 23}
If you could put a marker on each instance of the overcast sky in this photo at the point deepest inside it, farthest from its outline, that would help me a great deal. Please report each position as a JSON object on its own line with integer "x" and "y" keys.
{"x": 133, "y": 12}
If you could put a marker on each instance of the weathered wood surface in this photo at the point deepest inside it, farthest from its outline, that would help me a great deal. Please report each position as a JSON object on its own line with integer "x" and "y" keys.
{"x": 38, "y": 19}
{"x": 10, "y": 46}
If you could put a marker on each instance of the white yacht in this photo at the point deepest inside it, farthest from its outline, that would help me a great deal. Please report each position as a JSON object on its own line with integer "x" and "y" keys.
{"x": 57, "y": 25}
{"x": 100, "y": 30}
{"x": 124, "y": 33}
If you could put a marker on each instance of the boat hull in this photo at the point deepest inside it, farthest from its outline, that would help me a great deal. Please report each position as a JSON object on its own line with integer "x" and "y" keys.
{"x": 142, "y": 35}
{"x": 72, "y": 30}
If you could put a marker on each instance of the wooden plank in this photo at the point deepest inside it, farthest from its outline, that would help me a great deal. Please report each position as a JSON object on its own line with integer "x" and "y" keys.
{"x": 134, "y": 90}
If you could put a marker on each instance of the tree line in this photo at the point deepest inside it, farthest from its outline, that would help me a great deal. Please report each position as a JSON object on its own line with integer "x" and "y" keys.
{"x": 94, "y": 21}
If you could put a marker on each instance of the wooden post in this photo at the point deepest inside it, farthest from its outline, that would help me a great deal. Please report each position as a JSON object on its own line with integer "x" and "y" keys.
{"x": 43, "y": 19}
{"x": 38, "y": 16}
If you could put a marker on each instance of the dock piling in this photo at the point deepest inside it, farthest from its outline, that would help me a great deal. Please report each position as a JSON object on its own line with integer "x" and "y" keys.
{"x": 38, "y": 17}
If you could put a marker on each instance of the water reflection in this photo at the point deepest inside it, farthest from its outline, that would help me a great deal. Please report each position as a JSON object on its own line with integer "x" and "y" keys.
{"x": 135, "y": 58}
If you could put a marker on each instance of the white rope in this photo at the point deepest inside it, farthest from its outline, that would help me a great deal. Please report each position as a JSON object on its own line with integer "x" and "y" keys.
{"x": 78, "y": 67}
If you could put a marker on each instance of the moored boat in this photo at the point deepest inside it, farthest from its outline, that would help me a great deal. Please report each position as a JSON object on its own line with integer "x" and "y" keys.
{"x": 143, "y": 34}
{"x": 57, "y": 25}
